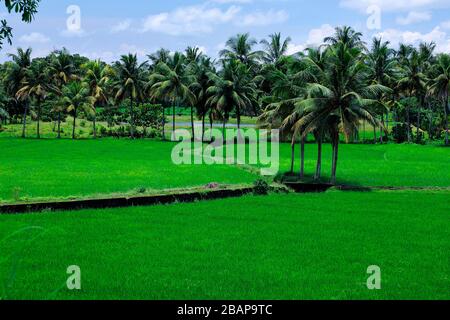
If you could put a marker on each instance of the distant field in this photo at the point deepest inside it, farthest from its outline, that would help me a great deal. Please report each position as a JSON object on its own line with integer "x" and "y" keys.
{"x": 32, "y": 169}
{"x": 314, "y": 246}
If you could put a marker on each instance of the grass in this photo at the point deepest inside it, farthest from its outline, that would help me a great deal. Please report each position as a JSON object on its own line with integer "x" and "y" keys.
{"x": 404, "y": 165}
{"x": 49, "y": 169}
{"x": 314, "y": 246}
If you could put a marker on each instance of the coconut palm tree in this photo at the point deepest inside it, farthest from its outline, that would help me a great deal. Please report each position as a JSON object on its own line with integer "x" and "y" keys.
{"x": 61, "y": 71}
{"x": 97, "y": 75}
{"x": 382, "y": 70}
{"x": 339, "y": 98}
{"x": 129, "y": 83}
{"x": 348, "y": 36}
{"x": 15, "y": 76}
{"x": 201, "y": 71}
{"x": 232, "y": 89}
{"x": 240, "y": 47}
{"x": 193, "y": 54}
{"x": 76, "y": 97}
{"x": 275, "y": 48}
{"x": 412, "y": 81}
{"x": 36, "y": 85}
{"x": 441, "y": 87}
{"x": 171, "y": 80}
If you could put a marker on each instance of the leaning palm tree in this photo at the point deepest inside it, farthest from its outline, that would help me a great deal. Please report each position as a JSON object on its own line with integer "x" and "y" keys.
{"x": 129, "y": 82}
{"x": 75, "y": 98}
{"x": 36, "y": 85}
{"x": 441, "y": 87}
{"x": 97, "y": 75}
{"x": 172, "y": 81}
{"x": 275, "y": 48}
{"x": 15, "y": 76}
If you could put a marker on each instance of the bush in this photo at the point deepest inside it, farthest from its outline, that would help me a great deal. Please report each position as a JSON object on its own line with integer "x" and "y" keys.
{"x": 400, "y": 133}
{"x": 83, "y": 124}
{"x": 261, "y": 187}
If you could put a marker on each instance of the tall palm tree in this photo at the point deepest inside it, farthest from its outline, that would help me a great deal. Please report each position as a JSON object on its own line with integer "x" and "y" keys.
{"x": 97, "y": 75}
{"x": 382, "y": 70}
{"x": 75, "y": 97}
{"x": 340, "y": 98}
{"x": 412, "y": 82}
{"x": 441, "y": 87}
{"x": 62, "y": 71}
{"x": 275, "y": 48}
{"x": 15, "y": 76}
{"x": 193, "y": 54}
{"x": 129, "y": 82}
{"x": 348, "y": 36}
{"x": 36, "y": 85}
{"x": 240, "y": 47}
{"x": 172, "y": 80}
{"x": 199, "y": 87}
{"x": 233, "y": 89}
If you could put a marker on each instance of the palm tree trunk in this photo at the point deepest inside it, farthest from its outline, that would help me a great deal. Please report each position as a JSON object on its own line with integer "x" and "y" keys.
{"x": 132, "y": 116}
{"x": 292, "y": 155}
{"x": 203, "y": 127}
{"x": 173, "y": 120}
{"x": 335, "y": 158}
{"x": 74, "y": 123}
{"x": 430, "y": 122}
{"x": 381, "y": 128}
{"x": 59, "y": 125}
{"x": 446, "y": 119}
{"x": 163, "y": 123}
{"x": 418, "y": 124}
{"x": 302, "y": 158}
{"x": 318, "y": 174}
{"x": 374, "y": 134}
{"x": 38, "y": 118}
{"x": 24, "y": 119}
{"x": 192, "y": 123}
{"x": 408, "y": 123}
{"x": 94, "y": 122}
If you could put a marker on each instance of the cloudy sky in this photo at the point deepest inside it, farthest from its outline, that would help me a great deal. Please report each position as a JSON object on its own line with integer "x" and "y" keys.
{"x": 106, "y": 29}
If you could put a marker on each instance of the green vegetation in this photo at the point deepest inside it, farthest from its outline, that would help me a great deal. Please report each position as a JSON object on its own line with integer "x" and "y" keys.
{"x": 66, "y": 169}
{"x": 315, "y": 246}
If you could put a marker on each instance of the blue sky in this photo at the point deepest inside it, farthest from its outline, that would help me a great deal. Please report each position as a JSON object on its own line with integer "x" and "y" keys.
{"x": 108, "y": 29}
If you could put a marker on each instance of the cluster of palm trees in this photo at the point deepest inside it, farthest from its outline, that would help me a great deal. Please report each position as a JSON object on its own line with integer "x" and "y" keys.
{"x": 330, "y": 90}
{"x": 325, "y": 92}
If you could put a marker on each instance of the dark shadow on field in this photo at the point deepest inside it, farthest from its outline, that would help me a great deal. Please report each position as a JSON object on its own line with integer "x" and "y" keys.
{"x": 308, "y": 184}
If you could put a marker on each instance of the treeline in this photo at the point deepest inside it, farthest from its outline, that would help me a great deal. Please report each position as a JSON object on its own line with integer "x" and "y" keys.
{"x": 328, "y": 92}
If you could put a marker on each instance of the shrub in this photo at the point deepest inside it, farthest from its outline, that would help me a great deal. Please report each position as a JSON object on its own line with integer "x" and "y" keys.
{"x": 400, "y": 133}
{"x": 261, "y": 187}
{"x": 83, "y": 124}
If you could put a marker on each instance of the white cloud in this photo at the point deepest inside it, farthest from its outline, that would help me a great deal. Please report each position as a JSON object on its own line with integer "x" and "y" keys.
{"x": 76, "y": 33}
{"x": 316, "y": 36}
{"x": 445, "y": 24}
{"x": 121, "y": 26}
{"x": 414, "y": 17}
{"x": 205, "y": 18}
{"x": 263, "y": 18}
{"x": 411, "y": 37}
{"x": 187, "y": 20}
{"x": 34, "y": 37}
{"x": 130, "y": 48}
{"x": 394, "y": 5}
{"x": 295, "y": 48}
{"x": 315, "y": 39}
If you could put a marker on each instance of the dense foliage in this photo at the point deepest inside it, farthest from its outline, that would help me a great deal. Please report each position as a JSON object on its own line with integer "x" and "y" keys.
{"x": 328, "y": 93}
